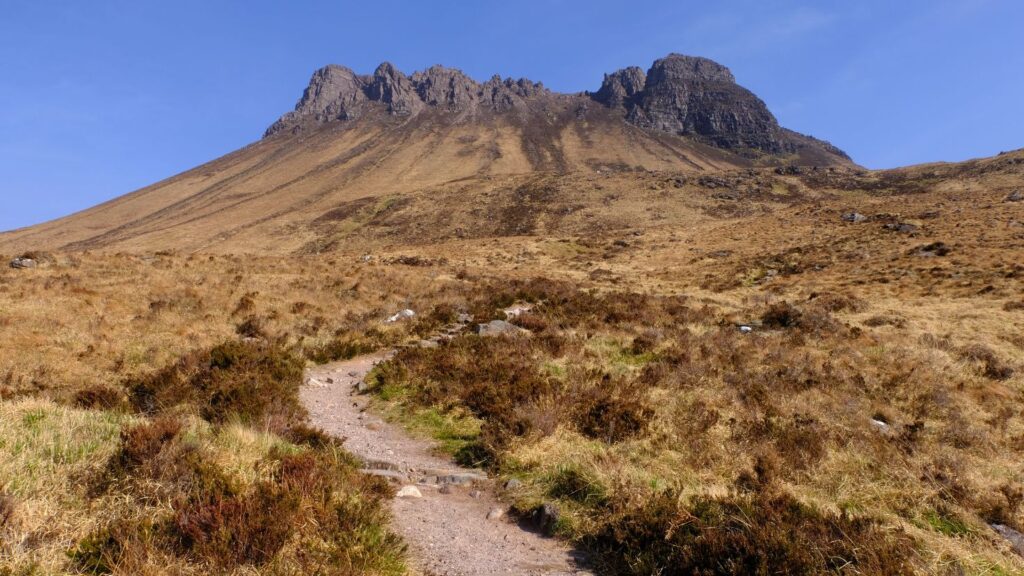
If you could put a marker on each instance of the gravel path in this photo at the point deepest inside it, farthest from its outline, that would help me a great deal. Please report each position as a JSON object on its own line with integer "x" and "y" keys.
{"x": 447, "y": 527}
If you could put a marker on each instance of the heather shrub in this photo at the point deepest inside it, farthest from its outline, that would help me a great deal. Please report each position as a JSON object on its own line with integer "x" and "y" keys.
{"x": 6, "y": 510}
{"x": 209, "y": 519}
{"x": 100, "y": 397}
{"x": 236, "y": 529}
{"x": 756, "y": 533}
{"x": 250, "y": 380}
{"x": 341, "y": 347}
{"x": 612, "y": 411}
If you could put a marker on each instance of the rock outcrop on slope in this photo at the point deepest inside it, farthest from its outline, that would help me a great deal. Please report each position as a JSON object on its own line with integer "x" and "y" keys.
{"x": 680, "y": 95}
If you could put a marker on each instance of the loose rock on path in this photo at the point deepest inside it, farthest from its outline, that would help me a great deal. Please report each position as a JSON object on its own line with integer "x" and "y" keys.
{"x": 447, "y": 529}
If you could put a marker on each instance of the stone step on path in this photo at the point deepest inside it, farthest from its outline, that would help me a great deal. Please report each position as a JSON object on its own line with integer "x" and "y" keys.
{"x": 449, "y": 516}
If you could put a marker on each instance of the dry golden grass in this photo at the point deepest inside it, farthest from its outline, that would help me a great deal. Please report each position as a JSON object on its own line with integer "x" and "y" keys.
{"x": 867, "y": 323}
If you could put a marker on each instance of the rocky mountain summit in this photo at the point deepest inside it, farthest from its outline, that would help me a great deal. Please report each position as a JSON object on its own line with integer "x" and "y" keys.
{"x": 680, "y": 95}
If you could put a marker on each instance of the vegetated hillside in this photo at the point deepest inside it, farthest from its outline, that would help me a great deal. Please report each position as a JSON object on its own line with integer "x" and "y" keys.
{"x": 867, "y": 421}
{"x": 358, "y": 138}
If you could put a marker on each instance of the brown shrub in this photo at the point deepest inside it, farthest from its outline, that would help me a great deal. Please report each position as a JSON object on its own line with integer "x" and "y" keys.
{"x": 233, "y": 530}
{"x": 993, "y": 367}
{"x": 246, "y": 304}
{"x": 838, "y": 302}
{"x": 495, "y": 378}
{"x": 342, "y": 347}
{"x": 6, "y": 510}
{"x": 142, "y": 443}
{"x": 248, "y": 380}
{"x": 306, "y": 435}
{"x": 613, "y": 411}
{"x": 100, "y": 397}
{"x": 646, "y": 342}
{"x": 120, "y": 547}
{"x": 781, "y": 315}
{"x": 252, "y": 327}
{"x": 758, "y": 533}
{"x": 799, "y": 441}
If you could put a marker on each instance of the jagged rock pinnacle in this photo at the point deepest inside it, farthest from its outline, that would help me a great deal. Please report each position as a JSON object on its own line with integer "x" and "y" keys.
{"x": 683, "y": 95}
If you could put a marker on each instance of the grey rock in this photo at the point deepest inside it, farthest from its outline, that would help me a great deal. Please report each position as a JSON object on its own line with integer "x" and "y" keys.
{"x": 679, "y": 94}
{"x": 854, "y": 217}
{"x": 695, "y": 96}
{"x": 496, "y": 514}
{"x": 546, "y": 517}
{"x": 445, "y": 489}
{"x": 475, "y": 494}
{"x": 389, "y": 474}
{"x": 23, "y": 263}
{"x": 880, "y": 425}
{"x": 1015, "y": 538}
{"x": 901, "y": 227}
{"x": 499, "y": 328}
{"x": 334, "y": 93}
{"x": 461, "y": 479}
{"x": 427, "y": 344}
{"x": 409, "y": 492}
{"x": 1015, "y": 196}
{"x": 446, "y": 88}
{"x": 621, "y": 87}
{"x": 513, "y": 484}
{"x": 395, "y": 89}
{"x": 401, "y": 315}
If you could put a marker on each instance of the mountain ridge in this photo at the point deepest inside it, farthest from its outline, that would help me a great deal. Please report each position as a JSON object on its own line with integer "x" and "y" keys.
{"x": 371, "y": 140}
{"x": 681, "y": 95}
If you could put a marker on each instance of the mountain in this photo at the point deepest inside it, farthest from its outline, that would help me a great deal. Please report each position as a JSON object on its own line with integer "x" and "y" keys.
{"x": 371, "y": 142}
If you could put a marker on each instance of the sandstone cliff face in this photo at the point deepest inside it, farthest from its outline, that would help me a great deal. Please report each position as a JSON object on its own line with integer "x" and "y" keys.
{"x": 681, "y": 95}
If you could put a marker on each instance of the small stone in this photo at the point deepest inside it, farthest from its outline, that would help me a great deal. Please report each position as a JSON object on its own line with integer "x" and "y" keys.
{"x": 401, "y": 315}
{"x": 393, "y": 475}
{"x": 23, "y": 263}
{"x": 513, "y": 484}
{"x": 902, "y": 227}
{"x": 546, "y": 517}
{"x": 475, "y": 494}
{"x": 881, "y": 426}
{"x": 496, "y": 514}
{"x": 373, "y": 427}
{"x": 445, "y": 489}
{"x": 499, "y": 328}
{"x": 854, "y": 217}
{"x": 746, "y": 329}
{"x": 362, "y": 386}
{"x": 330, "y": 380}
{"x": 1015, "y": 196}
{"x": 409, "y": 492}
{"x": 1015, "y": 538}
{"x": 353, "y": 374}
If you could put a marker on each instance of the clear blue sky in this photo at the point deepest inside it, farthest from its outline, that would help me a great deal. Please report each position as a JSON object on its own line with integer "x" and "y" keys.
{"x": 101, "y": 97}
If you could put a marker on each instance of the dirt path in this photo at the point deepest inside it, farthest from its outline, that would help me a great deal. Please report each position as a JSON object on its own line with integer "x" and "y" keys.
{"x": 447, "y": 529}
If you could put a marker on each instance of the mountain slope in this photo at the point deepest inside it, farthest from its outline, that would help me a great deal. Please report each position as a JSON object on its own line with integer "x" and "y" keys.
{"x": 357, "y": 137}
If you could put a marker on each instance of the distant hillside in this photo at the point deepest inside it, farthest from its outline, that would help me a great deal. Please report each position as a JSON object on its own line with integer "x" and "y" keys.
{"x": 353, "y": 138}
